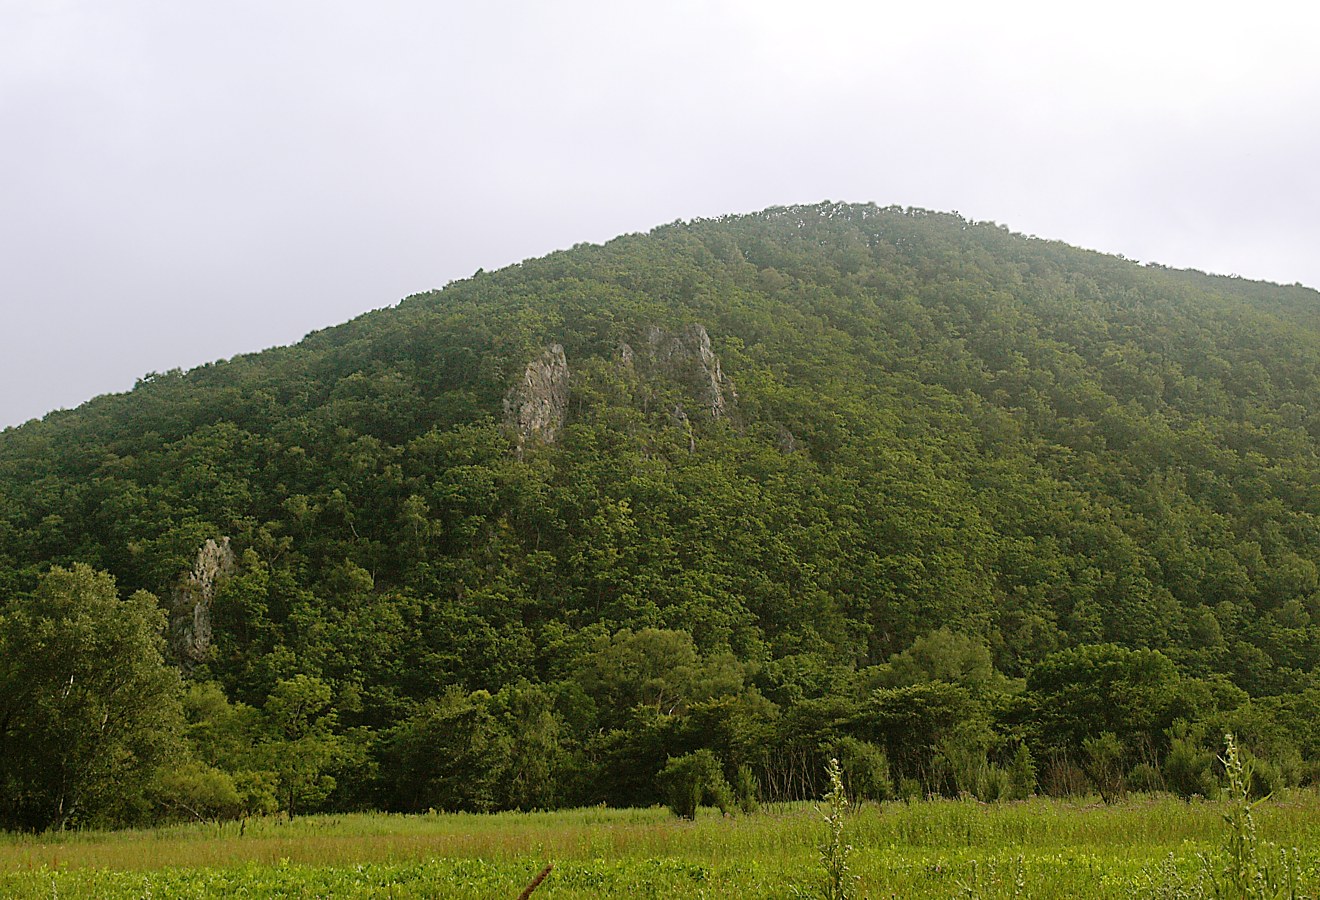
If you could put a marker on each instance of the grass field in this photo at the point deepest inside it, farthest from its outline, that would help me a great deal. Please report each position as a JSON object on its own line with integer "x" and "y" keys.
{"x": 1037, "y": 848}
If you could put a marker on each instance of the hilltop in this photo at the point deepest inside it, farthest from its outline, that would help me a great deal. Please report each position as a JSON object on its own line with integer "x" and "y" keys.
{"x": 729, "y": 472}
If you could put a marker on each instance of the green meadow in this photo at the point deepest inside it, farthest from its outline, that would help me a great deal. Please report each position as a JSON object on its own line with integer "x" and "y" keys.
{"x": 1155, "y": 847}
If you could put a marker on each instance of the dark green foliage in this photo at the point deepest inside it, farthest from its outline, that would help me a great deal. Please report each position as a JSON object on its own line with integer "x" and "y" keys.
{"x": 959, "y": 461}
{"x": 1081, "y": 693}
{"x": 935, "y": 732}
{"x": 447, "y": 756}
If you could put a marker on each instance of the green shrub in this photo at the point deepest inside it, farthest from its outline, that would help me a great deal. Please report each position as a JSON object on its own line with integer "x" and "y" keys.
{"x": 865, "y": 769}
{"x": 1021, "y": 774}
{"x": 1145, "y": 779}
{"x": 1104, "y": 766}
{"x": 1188, "y": 769}
{"x": 909, "y": 789}
{"x": 746, "y": 790}
{"x": 689, "y": 780}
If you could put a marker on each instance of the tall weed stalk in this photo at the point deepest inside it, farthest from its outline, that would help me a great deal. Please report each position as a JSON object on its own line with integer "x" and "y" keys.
{"x": 839, "y": 882}
{"x": 1252, "y": 869}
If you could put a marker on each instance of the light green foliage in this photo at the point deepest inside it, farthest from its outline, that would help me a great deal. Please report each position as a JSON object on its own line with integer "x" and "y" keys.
{"x": 88, "y": 707}
{"x": 839, "y": 883}
{"x": 1189, "y": 769}
{"x": 1021, "y": 774}
{"x": 1103, "y": 760}
{"x": 529, "y": 779}
{"x": 690, "y": 780}
{"x": 943, "y": 655}
{"x": 197, "y": 791}
{"x": 226, "y": 740}
{"x": 962, "y": 764}
{"x": 745, "y": 790}
{"x": 656, "y": 668}
{"x": 300, "y": 742}
{"x": 864, "y": 769}
{"x": 927, "y": 850}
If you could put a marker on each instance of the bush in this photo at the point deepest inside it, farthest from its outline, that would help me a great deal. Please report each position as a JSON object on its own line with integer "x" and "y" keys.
{"x": 1145, "y": 779}
{"x": 865, "y": 769}
{"x": 692, "y": 779}
{"x": 1104, "y": 766}
{"x": 1061, "y": 777}
{"x": 193, "y": 790}
{"x": 1189, "y": 769}
{"x": 909, "y": 789}
{"x": 1021, "y": 774}
{"x": 746, "y": 790}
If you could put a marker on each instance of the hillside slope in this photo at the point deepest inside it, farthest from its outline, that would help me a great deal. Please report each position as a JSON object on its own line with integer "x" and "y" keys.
{"x": 806, "y": 438}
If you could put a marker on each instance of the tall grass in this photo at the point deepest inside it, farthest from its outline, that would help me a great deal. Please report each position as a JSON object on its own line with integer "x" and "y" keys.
{"x": 1052, "y": 848}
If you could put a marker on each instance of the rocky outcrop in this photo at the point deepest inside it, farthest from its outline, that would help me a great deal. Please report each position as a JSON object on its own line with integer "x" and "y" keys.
{"x": 687, "y": 357}
{"x": 536, "y": 405}
{"x": 680, "y": 418}
{"x": 534, "y": 408}
{"x": 190, "y": 606}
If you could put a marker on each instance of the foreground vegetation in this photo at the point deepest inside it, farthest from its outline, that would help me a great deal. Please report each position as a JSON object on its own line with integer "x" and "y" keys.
{"x": 1036, "y": 848}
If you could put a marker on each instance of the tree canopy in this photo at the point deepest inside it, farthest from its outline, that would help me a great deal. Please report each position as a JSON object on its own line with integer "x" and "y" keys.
{"x": 839, "y": 468}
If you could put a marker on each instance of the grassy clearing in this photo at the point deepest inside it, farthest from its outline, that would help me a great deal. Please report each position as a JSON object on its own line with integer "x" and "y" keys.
{"x": 1037, "y": 848}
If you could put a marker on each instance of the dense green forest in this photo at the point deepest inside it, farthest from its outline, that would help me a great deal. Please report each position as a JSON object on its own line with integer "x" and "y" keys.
{"x": 971, "y": 511}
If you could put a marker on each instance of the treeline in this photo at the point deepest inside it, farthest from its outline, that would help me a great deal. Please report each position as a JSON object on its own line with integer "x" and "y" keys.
{"x": 936, "y": 433}
{"x": 96, "y": 727}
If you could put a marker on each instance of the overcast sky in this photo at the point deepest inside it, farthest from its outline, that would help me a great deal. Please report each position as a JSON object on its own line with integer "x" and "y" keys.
{"x": 184, "y": 181}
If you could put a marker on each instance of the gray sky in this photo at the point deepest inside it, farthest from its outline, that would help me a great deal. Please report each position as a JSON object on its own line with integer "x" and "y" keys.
{"x": 184, "y": 181}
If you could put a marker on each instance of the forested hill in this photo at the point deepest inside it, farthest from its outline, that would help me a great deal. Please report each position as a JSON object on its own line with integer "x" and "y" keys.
{"x": 793, "y": 456}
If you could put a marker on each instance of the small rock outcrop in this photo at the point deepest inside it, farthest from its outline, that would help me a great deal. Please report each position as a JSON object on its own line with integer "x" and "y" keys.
{"x": 535, "y": 406}
{"x": 687, "y": 357}
{"x": 680, "y": 418}
{"x": 190, "y": 607}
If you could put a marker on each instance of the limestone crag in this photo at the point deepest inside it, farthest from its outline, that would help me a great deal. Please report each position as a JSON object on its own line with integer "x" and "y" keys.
{"x": 190, "y": 607}
{"x": 535, "y": 406}
{"x": 687, "y": 357}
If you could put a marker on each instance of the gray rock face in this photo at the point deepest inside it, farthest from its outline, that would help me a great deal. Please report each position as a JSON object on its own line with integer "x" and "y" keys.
{"x": 534, "y": 407}
{"x": 190, "y": 607}
{"x": 687, "y": 357}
